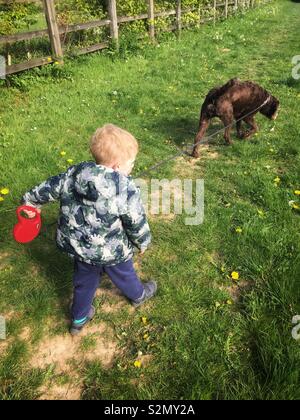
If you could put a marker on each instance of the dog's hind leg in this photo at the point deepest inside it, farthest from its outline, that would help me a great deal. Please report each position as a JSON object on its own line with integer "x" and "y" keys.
{"x": 227, "y": 120}
{"x": 203, "y": 126}
{"x": 239, "y": 130}
{"x": 253, "y": 126}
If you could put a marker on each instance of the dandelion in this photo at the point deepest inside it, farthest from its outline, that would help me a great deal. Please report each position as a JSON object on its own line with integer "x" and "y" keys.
{"x": 63, "y": 153}
{"x": 229, "y": 302}
{"x": 146, "y": 336}
{"x": 144, "y": 320}
{"x": 235, "y": 275}
{"x": 70, "y": 161}
{"x": 138, "y": 364}
{"x": 217, "y": 304}
{"x": 4, "y": 191}
{"x": 294, "y": 205}
{"x": 239, "y": 230}
{"x": 297, "y": 192}
{"x": 277, "y": 180}
{"x": 1, "y": 199}
{"x": 261, "y": 213}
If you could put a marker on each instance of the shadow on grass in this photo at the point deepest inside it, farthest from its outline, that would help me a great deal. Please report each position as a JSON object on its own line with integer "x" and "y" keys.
{"x": 289, "y": 82}
{"x": 56, "y": 266}
{"x": 183, "y": 130}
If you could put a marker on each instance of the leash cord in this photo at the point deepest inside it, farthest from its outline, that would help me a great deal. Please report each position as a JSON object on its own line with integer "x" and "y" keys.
{"x": 173, "y": 157}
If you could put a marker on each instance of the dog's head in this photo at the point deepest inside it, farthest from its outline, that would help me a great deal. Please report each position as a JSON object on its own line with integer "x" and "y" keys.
{"x": 271, "y": 109}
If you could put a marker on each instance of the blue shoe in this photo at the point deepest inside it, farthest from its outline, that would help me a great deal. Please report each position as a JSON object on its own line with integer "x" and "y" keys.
{"x": 150, "y": 289}
{"x": 76, "y": 327}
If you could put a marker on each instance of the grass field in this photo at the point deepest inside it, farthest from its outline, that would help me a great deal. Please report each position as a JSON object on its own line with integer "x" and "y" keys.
{"x": 204, "y": 336}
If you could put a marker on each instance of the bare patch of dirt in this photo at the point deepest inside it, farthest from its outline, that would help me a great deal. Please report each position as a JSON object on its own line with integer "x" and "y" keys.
{"x": 207, "y": 152}
{"x": 157, "y": 202}
{"x": 112, "y": 308}
{"x": 4, "y": 344}
{"x": 112, "y": 292}
{"x": 62, "y": 350}
{"x": 67, "y": 392}
{"x": 166, "y": 217}
{"x": 65, "y": 354}
{"x": 146, "y": 359}
{"x": 25, "y": 334}
{"x": 184, "y": 167}
{"x": 236, "y": 290}
{"x": 5, "y": 260}
{"x": 10, "y": 315}
{"x": 4, "y": 255}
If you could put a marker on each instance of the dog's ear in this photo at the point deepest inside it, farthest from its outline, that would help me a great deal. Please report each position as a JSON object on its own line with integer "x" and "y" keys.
{"x": 270, "y": 110}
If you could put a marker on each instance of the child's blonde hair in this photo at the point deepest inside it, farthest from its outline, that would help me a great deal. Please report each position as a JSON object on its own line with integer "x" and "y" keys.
{"x": 112, "y": 144}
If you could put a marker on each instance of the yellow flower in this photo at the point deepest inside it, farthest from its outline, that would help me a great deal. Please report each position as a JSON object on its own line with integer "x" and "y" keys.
{"x": 144, "y": 320}
{"x": 223, "y": 269}
{"x": 146, "y": 336}
{"x": 239, "y": 230}
{"x": 235, "y": 275}
{"x": 277, "y": 180}
{"x": 137, "y": 364}
{"x": 297, "y": 192}
{"x": 218, "y": 304}
{"x": 296, "y": 206}
{"x": 70, "y": 161}
{"x": 1, "y": 199}
{"x": 4, "y": 191}
{"x": 261, "y": 213}
{"x": 229, "y": 302}
{"x": 63, "y": 153}
{"x": 49, "y": 59}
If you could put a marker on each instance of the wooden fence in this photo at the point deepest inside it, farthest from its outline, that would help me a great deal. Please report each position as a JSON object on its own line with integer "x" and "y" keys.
{"x": 54, "y": 32}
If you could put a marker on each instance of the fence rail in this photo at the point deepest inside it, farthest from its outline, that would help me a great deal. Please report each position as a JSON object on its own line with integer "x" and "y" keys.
{"x": 56, "y": 32}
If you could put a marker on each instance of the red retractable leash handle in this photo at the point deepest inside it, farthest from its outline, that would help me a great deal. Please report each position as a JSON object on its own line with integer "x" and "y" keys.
{"x": 26, "y": 230}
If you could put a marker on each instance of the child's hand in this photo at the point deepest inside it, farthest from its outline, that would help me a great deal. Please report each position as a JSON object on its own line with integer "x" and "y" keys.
{"x": 31, "y": 214}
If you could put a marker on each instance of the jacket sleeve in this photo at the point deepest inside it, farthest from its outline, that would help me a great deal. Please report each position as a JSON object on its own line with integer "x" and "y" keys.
{"x": 46, "y": 192}
{"x": 134, "y": 218}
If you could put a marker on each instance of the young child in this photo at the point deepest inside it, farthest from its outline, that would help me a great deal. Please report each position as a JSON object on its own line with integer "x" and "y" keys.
{"x": 101, "y": 220}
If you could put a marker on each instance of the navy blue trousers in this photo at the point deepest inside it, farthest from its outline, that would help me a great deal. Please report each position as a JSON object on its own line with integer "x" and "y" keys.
{"x": 87, "y": 278}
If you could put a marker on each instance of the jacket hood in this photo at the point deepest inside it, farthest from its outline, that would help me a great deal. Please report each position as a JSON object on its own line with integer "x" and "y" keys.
{"x": 91, "y": 181}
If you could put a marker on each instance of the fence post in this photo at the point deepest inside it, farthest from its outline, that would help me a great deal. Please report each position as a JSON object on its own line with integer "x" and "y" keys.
{"x": 236, "y": 6}
{"x": 226, "y": 9}
{"x": 114, "y": 29}
{"x": 215, "y": 11}
{"x": 151, "y": 18}
{"x": 178, "y": 17}
{"x": 53, "y": 29}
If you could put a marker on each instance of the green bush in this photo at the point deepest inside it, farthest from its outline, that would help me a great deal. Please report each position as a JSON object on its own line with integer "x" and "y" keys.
{"x": 16, "y": 16}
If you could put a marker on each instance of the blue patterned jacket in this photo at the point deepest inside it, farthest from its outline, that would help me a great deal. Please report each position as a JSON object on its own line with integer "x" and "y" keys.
{"x": 102, "y": 217}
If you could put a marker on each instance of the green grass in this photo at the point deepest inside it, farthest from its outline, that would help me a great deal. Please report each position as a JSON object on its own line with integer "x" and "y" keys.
{"x": 198, "y": 349}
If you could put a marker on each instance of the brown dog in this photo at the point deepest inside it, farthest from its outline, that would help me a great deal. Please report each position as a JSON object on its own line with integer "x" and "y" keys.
{"x": 235, "y": 101}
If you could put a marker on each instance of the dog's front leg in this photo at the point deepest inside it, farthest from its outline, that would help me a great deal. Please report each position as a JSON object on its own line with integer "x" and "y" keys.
{"x": 203, "y": 126}
{"x": 253, "y": 126}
